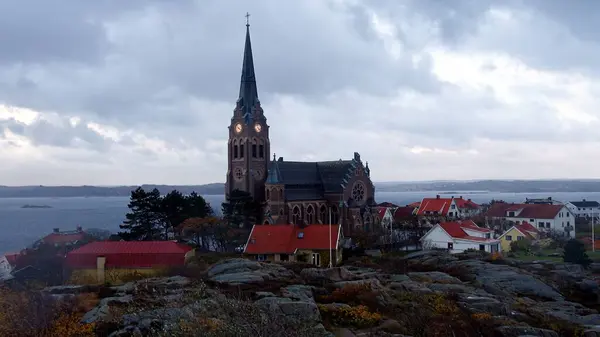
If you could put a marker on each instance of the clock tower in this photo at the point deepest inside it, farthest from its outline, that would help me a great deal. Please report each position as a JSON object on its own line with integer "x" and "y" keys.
{"x": 248, "y": 147}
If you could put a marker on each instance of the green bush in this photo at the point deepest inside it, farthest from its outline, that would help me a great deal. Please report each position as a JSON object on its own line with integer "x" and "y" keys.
{"x": 574, "y": 252}
{"x": 520, "y": 246}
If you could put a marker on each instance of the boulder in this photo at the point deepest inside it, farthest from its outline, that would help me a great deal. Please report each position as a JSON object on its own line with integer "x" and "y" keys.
{"x": 319, "y": 275}
{"x": 242, "y": 271}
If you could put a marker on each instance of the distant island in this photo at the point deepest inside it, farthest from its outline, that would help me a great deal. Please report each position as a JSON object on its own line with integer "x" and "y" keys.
{"x": 480, "y": 186}
{"x": 36, "y": 206}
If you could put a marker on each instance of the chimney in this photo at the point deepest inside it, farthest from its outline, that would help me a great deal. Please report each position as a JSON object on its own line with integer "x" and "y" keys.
{"x": 437, "y": 196}
{"x": 583, "y": 200}
{"x": 280, "y": 159}
{"x": 79, "y": 229}
{"x": 56, "y": 230}
{"x": 452, "y": 197}
{"x": 468, "y": 199}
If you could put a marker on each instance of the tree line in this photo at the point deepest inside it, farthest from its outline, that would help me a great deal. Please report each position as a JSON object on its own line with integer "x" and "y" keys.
{"x": 190, "y": 217}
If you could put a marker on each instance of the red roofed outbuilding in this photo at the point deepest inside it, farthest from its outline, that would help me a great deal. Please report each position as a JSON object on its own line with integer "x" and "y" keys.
{"x": 458, "y": 236}
{"x": 115, "y": 261}
{"x": 309, "y": 244}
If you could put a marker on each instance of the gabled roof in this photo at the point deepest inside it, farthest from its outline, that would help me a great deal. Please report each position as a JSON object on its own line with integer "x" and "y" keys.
{"x": 456, "y": 230}
{"x": 286, "y": 239}
{"x": 403, "y": 212}
{"x": 465, "y": 203}
{"x": 131, "y": 247}
{"x": 62, "y": 238}
{"x": 526, "y": 229}
{"x": 530, "y": 211}
{"x": 381, "y": 212}
{"x": 433, "y": 205}
{"x": 585, "y": 203}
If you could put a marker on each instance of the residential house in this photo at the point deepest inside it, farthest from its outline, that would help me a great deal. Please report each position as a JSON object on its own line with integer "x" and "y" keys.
{"x": 545, "y": 217}
{"x": 449, "y": 208}
{"x": 5, "y": 269}
{"x": 403, "y": 215}
{"x": 584, "y": 208}
{"x": 385, "y": 216}
{"x": 520, "y": 231}
{"x": 60, "y": 238}
{"x": 458, "y": 236}
{"x": 115, "y": 261}
{"x": 309, "y": 243}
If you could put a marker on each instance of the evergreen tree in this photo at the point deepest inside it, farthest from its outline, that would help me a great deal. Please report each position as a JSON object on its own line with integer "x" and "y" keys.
{"x": 241, "y": 210}
{"x": 173, "y": 209}
{"x": 142, "y": 222}
{"x": 574, "y": 252}
{"x": 198, "y": 207}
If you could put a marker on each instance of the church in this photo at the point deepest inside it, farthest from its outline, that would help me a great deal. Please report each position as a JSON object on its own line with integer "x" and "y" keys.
{"x": 300, "y": 193}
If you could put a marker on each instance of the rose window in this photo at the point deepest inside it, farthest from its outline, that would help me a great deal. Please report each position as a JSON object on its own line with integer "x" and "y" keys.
{"x": 238, "y": 174}
{"x": 358, "y": 191}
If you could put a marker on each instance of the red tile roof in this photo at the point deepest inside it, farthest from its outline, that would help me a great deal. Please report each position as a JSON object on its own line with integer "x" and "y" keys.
{"x": 381, "y": 212}
{"x": 433, "y": 205}
{"x": 456, "y": 229}
{"x": 526, "y": 226}
{"x": 531, "y": 211}
{"x": 63, "y": 238}
{"x": 129, "y": 254}
{"x": 465, "y": 203}
{"x": 387, "y": 204}
{"x": 403, "y": 212}
{"x": 12, "y": 258}
{"x": 284, "y": 239}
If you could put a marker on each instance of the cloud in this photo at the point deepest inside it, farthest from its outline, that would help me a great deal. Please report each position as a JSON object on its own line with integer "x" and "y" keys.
{"x": 143, "y": 91}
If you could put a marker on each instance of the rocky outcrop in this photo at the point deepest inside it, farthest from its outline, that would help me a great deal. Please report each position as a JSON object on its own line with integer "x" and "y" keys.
{"x": 243, "y": 271}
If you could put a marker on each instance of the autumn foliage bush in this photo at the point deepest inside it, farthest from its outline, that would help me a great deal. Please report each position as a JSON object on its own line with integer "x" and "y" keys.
{"x": 32, "y": 314}
{"x": 356, "y": 316}
{"x": 349, "y": 294}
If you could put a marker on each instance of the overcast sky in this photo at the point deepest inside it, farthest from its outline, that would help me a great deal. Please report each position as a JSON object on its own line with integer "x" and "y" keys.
{"x": 130, "y": 92}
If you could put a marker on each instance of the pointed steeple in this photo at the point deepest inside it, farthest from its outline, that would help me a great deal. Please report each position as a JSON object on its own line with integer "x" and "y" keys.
{"x": 248, "y": 97}
{"x": 274, "y": 176}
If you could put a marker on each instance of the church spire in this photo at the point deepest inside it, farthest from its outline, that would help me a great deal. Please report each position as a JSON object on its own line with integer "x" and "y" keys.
{"x": 248, "y": 97}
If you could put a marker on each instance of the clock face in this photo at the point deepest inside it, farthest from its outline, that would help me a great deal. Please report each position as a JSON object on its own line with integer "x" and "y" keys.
{"x": 238, "y": 128}
{"x": 257, "y": 127}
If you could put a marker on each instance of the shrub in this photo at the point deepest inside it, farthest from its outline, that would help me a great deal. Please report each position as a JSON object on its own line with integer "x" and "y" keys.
{"x": 574, "y": 252}
{"x": 349, "y": 294}
{"x": 520, "y": 246}
{"x": 357, "y": 316}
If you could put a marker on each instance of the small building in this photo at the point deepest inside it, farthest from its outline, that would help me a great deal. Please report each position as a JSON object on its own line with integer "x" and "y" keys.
{"x": 545, "y": 217}
{"x": 584, "y": 208}
{"x": 458, "y": 236}
{"x": 60, "y": 238}
{"x": 291, "y": 243}
{"x": 385, "y": 216}
{"x": 449, "y": 208}
{"x": 518, "y": 232}
{"x": 116, "y": 261}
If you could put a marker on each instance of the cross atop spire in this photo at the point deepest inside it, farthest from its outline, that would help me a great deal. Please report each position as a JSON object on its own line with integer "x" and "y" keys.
{"x": 247, "y": 19}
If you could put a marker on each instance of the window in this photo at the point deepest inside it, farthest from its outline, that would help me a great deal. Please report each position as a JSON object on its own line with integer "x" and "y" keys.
{"x": 296, "y": 215}
{"x": 284, "y": 257}
{"x": 541, "y": 225}
{"x": 253, "y": 150}
{"x": 488, "y": 235}
{"x": 453, "y": 206}
{"x": 482, "y": 247}
{"x": 547, "y": 225}
{"x": 334, "y": 215}
{"x": 261, "y": 257}
{"x": 235, "y": 151}
{"x": 316, "y": 259}
{"x": 519, "y": 237}
{"x": 532, "y": 220}
{"x": 268, "y": 194}
{"x": 310, "y": 216}
{"x": 323, "y": 214}
{"x": 511, "y": 214}
{"x": 241, "y": 150}
{"x": 261, "y": 151}
{"x": 450, "y": 245}
{"x": 508, "y": 238}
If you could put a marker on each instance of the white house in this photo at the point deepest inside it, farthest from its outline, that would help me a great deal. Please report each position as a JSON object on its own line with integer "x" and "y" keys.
{"x": 458, "y": 236}
{"x": 544, "y": 217}
{"x": 5, "y": 269}
{"x": 386, "y": 216}
{"x": 584, "y": 208}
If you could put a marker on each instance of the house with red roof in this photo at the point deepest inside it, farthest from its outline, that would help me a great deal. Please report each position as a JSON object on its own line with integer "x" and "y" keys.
{"x": 449, "y": 208}
{"x": 283, "y": 243}
{"x": 519, "y": 231}
{"x": 545, "y": 217}
{"x": 116, "y": 261}
{"x": 458, "y": 236}
{"x": 385, "y": 216}
{"x": 60, "y": 238}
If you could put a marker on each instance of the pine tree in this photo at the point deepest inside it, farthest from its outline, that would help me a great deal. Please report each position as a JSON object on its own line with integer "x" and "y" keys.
{"x": 143, "y": 220}
{"x": 574, "y": 252}
{"x": 241, "y": 210}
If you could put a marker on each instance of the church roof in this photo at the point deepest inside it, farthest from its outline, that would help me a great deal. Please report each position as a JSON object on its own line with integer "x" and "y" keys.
{"x": 248, "y": 97}
{"x": 311, "y": 180}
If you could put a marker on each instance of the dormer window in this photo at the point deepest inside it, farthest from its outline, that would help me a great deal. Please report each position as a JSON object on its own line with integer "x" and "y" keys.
{"x": 300, "y": 235}
{"x": 252, "y": 240}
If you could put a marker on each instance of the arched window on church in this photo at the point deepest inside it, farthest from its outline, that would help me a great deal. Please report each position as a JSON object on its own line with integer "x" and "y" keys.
{"x": 241, "y": 148}
{"x": 261, "y": 149}
{"x": 323, "y": 214}
{"x": 235, "y": 149}
{"x": 310, "y": 215}
{"x": 280, "y": 195}
{"x": 334, "y": 215}
{"x": 254, "y": 148}
{"x": 296, "y": 215}
{"x": 268, "y": 194}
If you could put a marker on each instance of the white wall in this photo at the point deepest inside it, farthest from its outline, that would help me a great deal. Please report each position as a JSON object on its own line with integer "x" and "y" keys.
{"x": 438, "y": 238}
{"x": 5, "y": 269}
{"x": 584, "y": 211}
{"x": 563, "y": 218}
{"x": 476, "y": 233}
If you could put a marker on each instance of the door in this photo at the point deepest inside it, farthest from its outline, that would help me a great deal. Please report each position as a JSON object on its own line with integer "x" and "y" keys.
{"x": 482, "y": 247}
{"x": 316, "y": 259}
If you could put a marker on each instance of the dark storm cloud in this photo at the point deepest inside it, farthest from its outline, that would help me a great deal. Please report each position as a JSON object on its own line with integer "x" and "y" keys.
{"x": 155, "y": 57}
{"x": 42, "y": 132}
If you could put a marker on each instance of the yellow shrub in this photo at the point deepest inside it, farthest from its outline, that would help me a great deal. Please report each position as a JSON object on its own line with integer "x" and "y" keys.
{"x": 67, "y": 325}
{"x": 358, "y": 316}
{"x": 347, "y": 294}
{"x": 481, "y": 316}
